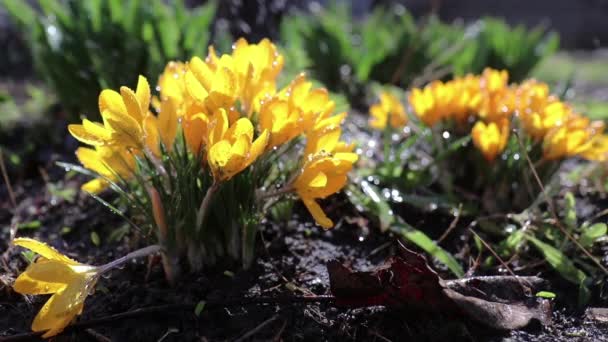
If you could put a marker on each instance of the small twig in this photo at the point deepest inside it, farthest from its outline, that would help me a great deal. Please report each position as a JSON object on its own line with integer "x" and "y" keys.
{"x": 497, "y": 257}
{"x": 277, "y": 336}
{"x": 99, "y": 337}
{"x": 7, "y": 181}
{"x": 268, "y": 194}
{"x": 452, "y": 225}
{"x": 551, "y": 207}
{"x": 256, "y": 329}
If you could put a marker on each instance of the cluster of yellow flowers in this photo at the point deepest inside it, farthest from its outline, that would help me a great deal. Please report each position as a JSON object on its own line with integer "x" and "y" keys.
{"x": 493, "y": 102}
{"x": 389, "y": 110}
{"x": 231, "y": 113}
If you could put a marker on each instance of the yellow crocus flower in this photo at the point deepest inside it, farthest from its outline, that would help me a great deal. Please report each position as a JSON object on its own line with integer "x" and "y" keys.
{"x": 578, "y": 136}
{"x": 314, "y": 105}
{"x": 257, "y": 67}
{"x": 425, "y": 105}
{"x": 122, "y": 114}
{"x": 323, "y": 174}
{"x": 498, "y": 99}
{"x": 491, "y": 138}
{"x": 598, "y": 149}
{"x": 212, "y": 87}
{"x": 232, "y": 148}
{"x": 69, "y": 281}
{"x": 282, "y": 121}
{"x": 388, "y": 110}
{"x": 111, "y": 163}
{"x": 161, "y": 129}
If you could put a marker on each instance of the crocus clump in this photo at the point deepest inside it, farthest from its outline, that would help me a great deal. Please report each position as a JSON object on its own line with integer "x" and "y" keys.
{"x": 204, "y": 157}
{"x": 499, "y": 119}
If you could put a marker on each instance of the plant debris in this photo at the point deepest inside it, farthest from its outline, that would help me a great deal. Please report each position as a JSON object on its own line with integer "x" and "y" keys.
{"x": 406, "y": 281}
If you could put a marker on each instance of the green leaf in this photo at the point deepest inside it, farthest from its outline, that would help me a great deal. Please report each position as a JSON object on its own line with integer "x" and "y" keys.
{"x": 95, "y": 239}
{"x": 592, "y": 233}
{"x": 421, "y": 240}
{"x": 32, "y": 225}
{"x": 368, "y": 197}
{"x": 21, "y": 11}
{"x": 546, "y": 294}
{"x": 199, "y": 308}
{"x": 570, "y": 210}
{"x": 560, "y": 262}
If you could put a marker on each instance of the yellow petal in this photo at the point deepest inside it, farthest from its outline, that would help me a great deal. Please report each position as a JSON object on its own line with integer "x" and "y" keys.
{"x": 82, "y": 135}
{"x": 143, "y": 94}
{"x": 219, "y": 126}
{"x": 95, "y": 186}
{"x": 195, "y": 131}
{"x": 195, "y": 88}
{"x": 111, "y": 100}
{"x": 258, "y": 147}
{"x": 319, "y": 181}
{"x": 223, "y": 91}
{"x": 167, "y": 124}
{"x": 201, "y": 71}
{"x": 241, "y": 127}
{"x": 90, "y": 159}
{"x": 132, "y": 104}
{"x": 43, "y": 250}
{"x": 218, "y": 157}
{"x": 63, "y": 306}
{"x": 43, "y": 277}
{"x": 96, "y": 129}
{"x": 317, "y": 213}
{"x": 125, "y": 129}
{"x": 152, "y": 137}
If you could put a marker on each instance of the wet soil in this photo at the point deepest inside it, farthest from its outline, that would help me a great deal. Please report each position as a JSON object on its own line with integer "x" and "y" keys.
{"x": 292, "y": 259}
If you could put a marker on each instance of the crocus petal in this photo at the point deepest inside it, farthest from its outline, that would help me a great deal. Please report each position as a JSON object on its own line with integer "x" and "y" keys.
{"x": 194, "y": 87}
{"x": 152, "y": 136}
{"x": 43, "y": 277}
{"x": 82, "y": 135}
{"x": 95, "y": 186}
{"x": 43, "y": 250}
{"x": 143, "y": 94}
{"x": 167, "y": 124}
{"x": 111, "y": 100}
{"x": 132, "y": 104}
{"x": 258, "y": 147}
{"x": 318, "y": 214}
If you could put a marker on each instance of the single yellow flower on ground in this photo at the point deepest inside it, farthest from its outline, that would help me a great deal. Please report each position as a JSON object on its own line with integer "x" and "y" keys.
{"x": 388, "y": 110}
{"x": 491, "y": 138}
{"x": 70, "y": 283}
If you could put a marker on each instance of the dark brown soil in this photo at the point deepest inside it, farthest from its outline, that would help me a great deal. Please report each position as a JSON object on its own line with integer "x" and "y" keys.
{"x": 291, "y": 263}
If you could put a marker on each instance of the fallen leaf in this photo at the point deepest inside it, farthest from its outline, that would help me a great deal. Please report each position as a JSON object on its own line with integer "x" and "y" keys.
{"x": 406, "y": 281}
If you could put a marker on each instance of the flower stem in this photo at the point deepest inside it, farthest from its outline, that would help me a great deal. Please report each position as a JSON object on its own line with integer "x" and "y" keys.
{"x": 202, "y": 211}
{"x": 133, "y": 255}
{"x": 268, "y": 194}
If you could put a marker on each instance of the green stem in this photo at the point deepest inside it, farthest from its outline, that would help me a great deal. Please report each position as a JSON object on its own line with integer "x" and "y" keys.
{"x": 202, "y": 211}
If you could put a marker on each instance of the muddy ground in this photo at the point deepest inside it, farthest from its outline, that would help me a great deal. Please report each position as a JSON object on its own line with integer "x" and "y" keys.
{"x": 292, "y": 262}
